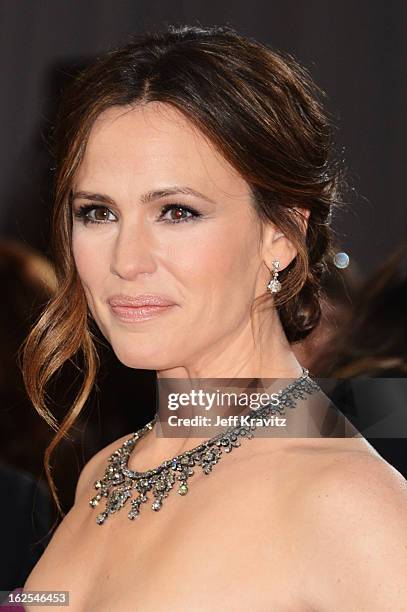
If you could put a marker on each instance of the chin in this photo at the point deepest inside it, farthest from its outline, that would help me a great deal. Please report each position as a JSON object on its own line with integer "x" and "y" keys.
{"x": 153, "y": 358}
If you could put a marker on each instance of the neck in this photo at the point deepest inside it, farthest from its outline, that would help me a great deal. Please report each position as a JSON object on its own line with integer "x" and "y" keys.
{"x": 242, "y": 354}
{"x": 252, "y": 360}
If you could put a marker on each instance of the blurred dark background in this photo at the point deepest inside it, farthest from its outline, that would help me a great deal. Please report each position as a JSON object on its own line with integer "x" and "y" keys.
{"x": 355, "y": 51}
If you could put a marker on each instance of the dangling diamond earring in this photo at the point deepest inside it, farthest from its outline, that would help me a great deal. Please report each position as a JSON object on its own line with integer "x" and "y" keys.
{"x": 274, "y": 284}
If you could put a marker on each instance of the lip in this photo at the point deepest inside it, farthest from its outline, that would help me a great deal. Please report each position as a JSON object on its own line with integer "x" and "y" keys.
{"x": 140, "y": 307}
{"x": 145, "y": 299}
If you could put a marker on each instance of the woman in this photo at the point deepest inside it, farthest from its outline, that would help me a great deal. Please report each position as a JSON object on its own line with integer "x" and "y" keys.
{"x": 193, "y": 200}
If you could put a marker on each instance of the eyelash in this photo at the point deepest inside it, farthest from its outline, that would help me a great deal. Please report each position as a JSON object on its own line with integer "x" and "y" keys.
{"x": 85, "y": 209}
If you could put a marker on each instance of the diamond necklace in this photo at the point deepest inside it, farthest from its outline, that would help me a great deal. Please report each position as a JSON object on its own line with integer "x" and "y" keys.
{"x": 119, "y": 482}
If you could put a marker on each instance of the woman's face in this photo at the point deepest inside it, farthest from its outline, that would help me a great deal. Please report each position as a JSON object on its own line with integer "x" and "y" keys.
{"x": 167, "y": 216}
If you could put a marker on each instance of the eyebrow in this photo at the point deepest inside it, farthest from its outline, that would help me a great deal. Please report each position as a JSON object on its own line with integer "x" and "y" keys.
{"x": 146, "y": 197}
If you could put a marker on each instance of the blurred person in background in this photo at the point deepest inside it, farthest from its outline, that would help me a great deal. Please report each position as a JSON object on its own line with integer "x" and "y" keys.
{"x": 374, "y": 340}
{"x": 366, "y": 358}
{"x": 370, "y": 360}
{"x": 28, "y": 281}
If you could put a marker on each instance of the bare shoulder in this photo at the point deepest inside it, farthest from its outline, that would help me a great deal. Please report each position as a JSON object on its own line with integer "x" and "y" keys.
{"x": 351, "y": 530}
{"x": 351, "y": 473}
{"x": 95, "y": 467}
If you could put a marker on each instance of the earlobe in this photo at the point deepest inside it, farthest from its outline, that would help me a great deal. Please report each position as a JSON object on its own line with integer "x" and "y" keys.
{"x": 277, "y": 247}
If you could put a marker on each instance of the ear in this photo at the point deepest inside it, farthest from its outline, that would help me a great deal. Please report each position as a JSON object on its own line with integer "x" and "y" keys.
{"x": 275, "y": 245}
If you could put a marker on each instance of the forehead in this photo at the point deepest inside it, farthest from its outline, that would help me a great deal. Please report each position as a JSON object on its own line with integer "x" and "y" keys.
{"x": 155, "y": 142}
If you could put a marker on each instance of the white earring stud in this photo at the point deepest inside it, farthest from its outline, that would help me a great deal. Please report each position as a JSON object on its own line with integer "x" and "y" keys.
{"x": 274, "y": 285}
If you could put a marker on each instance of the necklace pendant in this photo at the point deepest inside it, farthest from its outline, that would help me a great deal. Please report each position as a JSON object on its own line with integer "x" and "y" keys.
{"x": 135, "y": 506}
{"x": 183, "y": 490}
{"x": 100, "y": 519}
{"x": 95, "y": 500}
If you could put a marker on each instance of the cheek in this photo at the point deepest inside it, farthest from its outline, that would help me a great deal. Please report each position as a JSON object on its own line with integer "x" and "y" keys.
{"x": 217, "y": 263}
{"x": 89, "y": 260}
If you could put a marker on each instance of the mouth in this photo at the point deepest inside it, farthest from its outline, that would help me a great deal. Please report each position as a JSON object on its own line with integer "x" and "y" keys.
{"x": 140, "y": 308}
{"x": 139, "y": 313}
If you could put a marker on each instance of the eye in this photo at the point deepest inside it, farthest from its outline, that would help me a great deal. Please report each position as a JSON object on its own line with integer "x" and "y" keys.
{"x": 101, "y": 214}
{"x": 178, "y": 213}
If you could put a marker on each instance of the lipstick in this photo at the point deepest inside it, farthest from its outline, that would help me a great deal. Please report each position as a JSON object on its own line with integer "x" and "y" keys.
{"x": 139, "y": 308}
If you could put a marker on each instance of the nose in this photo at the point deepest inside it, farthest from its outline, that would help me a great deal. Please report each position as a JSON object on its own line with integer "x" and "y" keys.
{"x": 132, "y": 252}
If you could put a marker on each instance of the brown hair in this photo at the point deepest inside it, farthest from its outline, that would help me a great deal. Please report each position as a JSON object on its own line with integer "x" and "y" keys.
{"x": 263, "y": 113}
{"x": 374, "y": 341}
